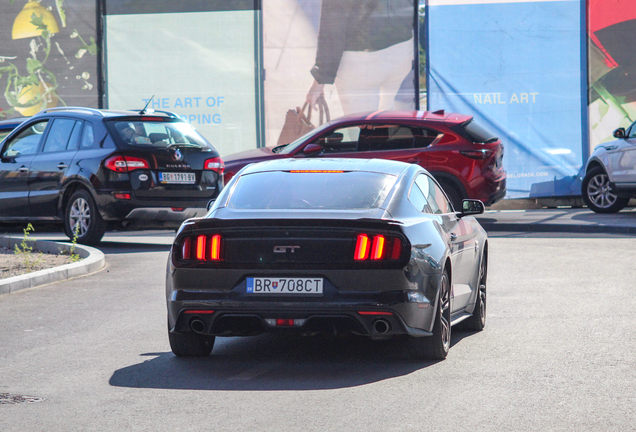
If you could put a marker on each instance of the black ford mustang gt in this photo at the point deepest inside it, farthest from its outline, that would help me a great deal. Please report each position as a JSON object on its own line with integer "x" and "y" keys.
{"x": 371, "y": 247}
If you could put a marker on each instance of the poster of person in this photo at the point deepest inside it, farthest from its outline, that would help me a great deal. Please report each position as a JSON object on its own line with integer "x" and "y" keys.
{"x": 48, "y": 55}
{"x": 611, "y": 68}
{"x": 358, "y": 54}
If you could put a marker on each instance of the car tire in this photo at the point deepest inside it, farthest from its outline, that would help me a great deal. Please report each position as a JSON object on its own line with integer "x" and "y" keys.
{"x": 453, "y": 194}
{"x": 598, "y": 193}
{"x": 477, "y": 321}
{"x": 190, "y": 344}
{"x": 436, "y": 347}
{"x": 81, "y": 209}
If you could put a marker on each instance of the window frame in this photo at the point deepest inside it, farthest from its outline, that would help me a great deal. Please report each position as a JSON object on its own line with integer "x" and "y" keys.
{"x": 6, "y": 144}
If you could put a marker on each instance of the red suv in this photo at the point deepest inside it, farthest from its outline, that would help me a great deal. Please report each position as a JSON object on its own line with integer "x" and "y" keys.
{"x": 464, "y": 158}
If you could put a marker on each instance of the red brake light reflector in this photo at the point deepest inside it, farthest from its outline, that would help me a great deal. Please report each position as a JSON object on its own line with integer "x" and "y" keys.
{"x": 215, "y": 164}
{"x": 378, "y": 248}
{"x": 125, "y": 196}
{"x": 124, "y": 164}
{"x": 215, "y": 248}
{"x": 377, "y": 251}
{"x": 397, "y": 249}
{"x": 201, "y": 247}
{"x": 199, "y": 312}
{"x": 186, "y": 248}
{"x": 374, "y": 313}
{"x": 362, "y": 248}
{"x": 280, "y": 322}
{"x": 477, "y": 154}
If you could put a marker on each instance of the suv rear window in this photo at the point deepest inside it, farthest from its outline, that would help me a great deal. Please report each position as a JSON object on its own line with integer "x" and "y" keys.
{"x": 311, "y": 190}
{"x": 476, "y": 132}
{"x": 158, "y": 134}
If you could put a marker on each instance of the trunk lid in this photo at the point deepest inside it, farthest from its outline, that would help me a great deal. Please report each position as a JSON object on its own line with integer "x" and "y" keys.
{"x": 171, "y": 160}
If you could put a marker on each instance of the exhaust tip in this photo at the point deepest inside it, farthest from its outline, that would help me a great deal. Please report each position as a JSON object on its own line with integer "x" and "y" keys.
{"x": 197, "y": 325}
{"x": 381, "y": 326}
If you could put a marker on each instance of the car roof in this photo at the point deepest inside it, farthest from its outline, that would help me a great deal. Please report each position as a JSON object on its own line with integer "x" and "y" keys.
{"x": 11, "y": 123}
{"x": 104, "y": 113}
{"x": 439, "y": 115}
{"x": 363, "y": 165}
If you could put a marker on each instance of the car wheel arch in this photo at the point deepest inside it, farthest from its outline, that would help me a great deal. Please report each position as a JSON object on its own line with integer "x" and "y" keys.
{"x": 442, "y": 177}
{"x": 69, "y": 190}
{"x": 593, "y": 164}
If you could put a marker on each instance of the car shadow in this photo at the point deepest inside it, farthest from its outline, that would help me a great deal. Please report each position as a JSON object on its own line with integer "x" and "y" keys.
{"x": 272, "y": 363}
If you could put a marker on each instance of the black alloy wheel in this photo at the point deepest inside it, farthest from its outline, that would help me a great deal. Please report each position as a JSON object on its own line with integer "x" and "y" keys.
{"x": 599, "y": 195}
{"x": 82, "y": 219}
{"x": 477, "y": 321}
{"x": 436, "y": 347}
{"x": 190, "y": 344}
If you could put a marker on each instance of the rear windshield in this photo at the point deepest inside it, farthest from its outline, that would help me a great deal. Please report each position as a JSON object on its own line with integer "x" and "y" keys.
{"x": 315, "y": 191}
{"x": 158, "y": 134}
{"x": 477, "y": 133}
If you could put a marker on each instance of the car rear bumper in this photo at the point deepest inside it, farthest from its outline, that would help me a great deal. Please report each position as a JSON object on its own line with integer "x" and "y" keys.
{"x": 164, "y": 214}
{"x": 236, "y": 313}
{"x": 494, "y": 191}
{"x": 148, "y": 212}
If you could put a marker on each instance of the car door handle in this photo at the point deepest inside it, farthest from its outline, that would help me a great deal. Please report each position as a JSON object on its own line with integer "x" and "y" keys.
{"x": 23, "y": 169}
{"x": 453, "y": 236}
{"x": 62, "y": 165}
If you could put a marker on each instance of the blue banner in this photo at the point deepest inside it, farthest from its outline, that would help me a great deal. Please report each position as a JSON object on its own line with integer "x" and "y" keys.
{"x": 519, "y": 68}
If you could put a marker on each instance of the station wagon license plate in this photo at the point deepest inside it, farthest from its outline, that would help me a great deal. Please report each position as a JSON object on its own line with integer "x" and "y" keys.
{"x": 300, "y": 286}
{"x": 177, "y": 178}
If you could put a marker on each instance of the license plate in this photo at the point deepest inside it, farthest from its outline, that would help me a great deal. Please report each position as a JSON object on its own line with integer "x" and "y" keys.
{"x": 177, "y": 178}
{"x": 298, "y": 286}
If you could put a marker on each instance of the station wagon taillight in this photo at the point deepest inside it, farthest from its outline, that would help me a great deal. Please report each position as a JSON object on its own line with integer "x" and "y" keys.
{"x": 202, "y": 248}
{"x": 377, "y": 248}
{"x": 215, "y": 164}
{"x": 124, "y": 164}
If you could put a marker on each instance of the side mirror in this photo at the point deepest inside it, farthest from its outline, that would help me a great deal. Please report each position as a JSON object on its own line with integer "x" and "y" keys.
{"x": 472, "y": 207}
{"x": 619, "y": 133}
{"x": 312, "y": 150}
{"x": 10, "y": 155}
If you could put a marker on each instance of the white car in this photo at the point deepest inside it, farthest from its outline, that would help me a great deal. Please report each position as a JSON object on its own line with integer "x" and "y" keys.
{"x": 610, "y": 173}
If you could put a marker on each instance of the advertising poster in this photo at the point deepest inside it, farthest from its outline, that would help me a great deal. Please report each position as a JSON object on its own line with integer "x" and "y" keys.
{"x": 358, "y": 54}
{"x": 197, "y": 58}
{"x": 519, "y": 68}
{"x": 48, "y": 55}
{"x": 612, "y": 68}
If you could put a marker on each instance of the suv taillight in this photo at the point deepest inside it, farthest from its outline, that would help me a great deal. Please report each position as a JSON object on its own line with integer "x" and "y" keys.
{"x": 202, "y": 248}
{"x": 377, "y": 248}
{"x": 124, "y": 164}
{"x": 215, "y": 164}
{"x": 477, "y": 154}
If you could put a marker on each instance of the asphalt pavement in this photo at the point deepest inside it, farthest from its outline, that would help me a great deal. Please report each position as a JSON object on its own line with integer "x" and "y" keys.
{"x": 565, "y": 220}
{"x": 92, "y": 354}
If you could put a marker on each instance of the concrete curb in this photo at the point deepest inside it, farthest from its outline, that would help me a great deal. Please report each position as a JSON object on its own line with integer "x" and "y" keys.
{"x": 555, "y": 228}
{"x": 92, "y": 261}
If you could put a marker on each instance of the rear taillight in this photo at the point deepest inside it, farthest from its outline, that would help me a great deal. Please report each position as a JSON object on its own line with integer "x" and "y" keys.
{"x": 477, "y": 154}
{"x": 377, "y": 248}
{"x": 202, "y": 248}
{"x": 215, "y": 164}
{"x": 124, "y": 164}
{"x": 362, "y": 248}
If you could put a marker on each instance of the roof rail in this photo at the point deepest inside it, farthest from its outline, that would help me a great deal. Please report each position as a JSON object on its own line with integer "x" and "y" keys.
{"x": 151, "y": 111}
{"x": 93, "y": 111}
